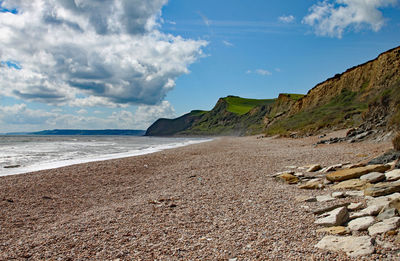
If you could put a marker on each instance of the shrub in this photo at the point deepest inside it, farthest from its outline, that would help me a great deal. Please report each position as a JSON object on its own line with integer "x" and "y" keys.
{"x": 396, "y": 141}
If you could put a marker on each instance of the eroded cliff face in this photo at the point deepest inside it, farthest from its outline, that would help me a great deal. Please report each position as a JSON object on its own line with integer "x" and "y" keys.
{"x": 367, "y": 79}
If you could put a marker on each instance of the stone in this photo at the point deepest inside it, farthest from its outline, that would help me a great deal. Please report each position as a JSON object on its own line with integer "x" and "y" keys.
{"x": 383, "y": 200}
{"x": 305, "y": 199}
{"x": 352, "y": 246}
{"x": 386, "y": 213}
{"x": 354, "y": 193}
{"x": 283, "y": 172}
{"x": 338, "y": 194}
{"x": 355, "y": 206}
{"x": 335, "y": 217}
{"x": 329, "y": 208}
{"x": 372, "y": 210}
{"x": 325, "y": 198}
{"x": 314, "y": 168}
{"x": 331, "y": 168}
{"x": 354, "y": 173}
{"x": 357, "y": 184}
{"x": 393, "y": 175}
{"x": 338, "y": 230}
{"x": 373, "y": 177}
{"x": 289, "y": 178}
{"x": 384, "y": 226}
{"x": 395, "y": 203}
{"x": 382, "y": 189}
{"x": 299, "y": 174}
{"x": 312, "y": 184}
{"x": 360, "y": 224}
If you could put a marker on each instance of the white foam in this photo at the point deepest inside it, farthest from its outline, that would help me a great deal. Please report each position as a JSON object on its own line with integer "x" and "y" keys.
{"x": 63, "y": 163}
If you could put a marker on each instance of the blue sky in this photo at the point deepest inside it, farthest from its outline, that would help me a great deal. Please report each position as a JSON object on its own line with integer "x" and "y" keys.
{"x": 101, "y": 65}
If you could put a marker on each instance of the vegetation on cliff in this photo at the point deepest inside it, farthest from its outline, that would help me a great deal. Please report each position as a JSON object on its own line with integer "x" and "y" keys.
{"x": 367, "y": 94}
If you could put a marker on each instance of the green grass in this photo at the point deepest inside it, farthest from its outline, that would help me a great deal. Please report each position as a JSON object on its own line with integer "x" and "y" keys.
{"x": 294, "y": 96}
{"x": 338, "y": 112}
{"x": 242, "y": 106}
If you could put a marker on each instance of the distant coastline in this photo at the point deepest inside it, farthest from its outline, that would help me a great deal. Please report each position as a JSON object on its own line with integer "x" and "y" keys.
{"x": 82, "y": 132}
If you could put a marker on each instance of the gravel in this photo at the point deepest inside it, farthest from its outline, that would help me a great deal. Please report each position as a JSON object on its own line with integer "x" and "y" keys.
{"x": 210, "y": 201}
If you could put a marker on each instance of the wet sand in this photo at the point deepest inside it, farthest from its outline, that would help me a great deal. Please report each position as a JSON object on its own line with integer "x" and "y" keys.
{"x": 209, "y": 201}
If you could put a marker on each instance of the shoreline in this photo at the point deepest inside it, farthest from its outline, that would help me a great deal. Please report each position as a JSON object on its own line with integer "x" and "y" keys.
{"x": 213, "y": 200}
{"x": 63, "y": 163}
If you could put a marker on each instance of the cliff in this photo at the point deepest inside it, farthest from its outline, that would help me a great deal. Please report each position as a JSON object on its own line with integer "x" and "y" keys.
{"x": 365, "y": 96}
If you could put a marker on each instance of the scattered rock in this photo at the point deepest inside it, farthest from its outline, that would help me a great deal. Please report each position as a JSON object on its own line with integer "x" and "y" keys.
{"x": 314, "y": 168}
{"x": 283, "y": 172}
{"x": 393, "y": 175}
{"x": 386, "y": 213}
{"x": 289, "y": 178}
{"x": 382, "y": 189}
{"x": 338, "y": 230}
{"x": 355, "y": 206}
{"x": 338, "y": 194}
{"x": 12, "y": 166}
{"x": 299, "y": 174}
{"x": 383, "y": 200}
{"x": 335, "y": 217}
{"x": 357, "y": 184}
{"x": 389, "y": 156}
{"x": 325, "y": 198}
{"x": 384, "y": 226}
{"x": 354, "y": 193}
{"x": 373, "y": 177}
{"x": 346, "y": 174}
{"x": 395, "y": 203}
{"x": 331, "y": 168}
{"x": 306, "y": 199}
{"x": 369, "y": 211}
{"x": 353, "y": 246}
{"x": 362, "y": 223}
{"x": 312, "y": 184}
{"x": 329, "y": 208}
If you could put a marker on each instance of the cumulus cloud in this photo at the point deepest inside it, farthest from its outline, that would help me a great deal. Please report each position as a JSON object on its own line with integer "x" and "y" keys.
{"x": 286, "y": 18}
{"x": 20, "y": 117}
{"x": 90, "y": 53}
{"x": 332, "y": 18}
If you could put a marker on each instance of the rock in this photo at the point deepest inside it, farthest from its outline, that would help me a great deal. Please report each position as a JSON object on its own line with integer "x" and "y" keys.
{"x": 283, "y": 172}
{"x": 354, "y": 193}
{"x": 299, "y": 174}
{"x": 338, "y": 230}
{"x": 357, "y": 184}
{"x": 369, "y": 211}
{"x": 362, "y": 223}
{"x": 338, "y": 194}
{"x": 393, "y": 175}
{"x": 314, "y": 168}
{"x": 352, "y": 246}
{"x": 386, "y": 213}
{"x": 357, "y": 165}
{"x": 383, "y": 200}
{"x": 382, "y": 189}
{"x": 335, "y": 217}
{"x": 312, "y": 184}
{"x": 12, "y": 166}
{"x": 373, "y": 177}
{"x": 346, "y": 174}
{"x": 325, "y": 198}
{"x": 389, "y": 156}
{"x": 384, "y": 226}
{"x": 288, "y": 178}
{"x": 355, "y": 206}
{"x": 331, "y": 168}
{"x": 395, "y": 203}
{"x": 306, "y": 199}
{"x": 329, "y": 208}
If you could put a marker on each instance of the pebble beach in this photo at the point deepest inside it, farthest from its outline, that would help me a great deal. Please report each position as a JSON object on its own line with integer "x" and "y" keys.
{"x": 211, "y": 201}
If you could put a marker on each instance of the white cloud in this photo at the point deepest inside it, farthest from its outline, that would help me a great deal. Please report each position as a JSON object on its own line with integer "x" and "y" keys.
{"x": 286, "y": 18}
{"x": 227, "y": 43}
{"x": 91, "y": 53}
{"x": 332, "y": 18}
{"x": 19, "y": 117}
{"x": 205, "y": 19}
{"x": 262, "y": 72}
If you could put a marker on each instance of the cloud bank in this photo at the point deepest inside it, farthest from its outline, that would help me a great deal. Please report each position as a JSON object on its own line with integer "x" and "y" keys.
{"x": 90, "y": 53}
{"x": 332, "y": 18}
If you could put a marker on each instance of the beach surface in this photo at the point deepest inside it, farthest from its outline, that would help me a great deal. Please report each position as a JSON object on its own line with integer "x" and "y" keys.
{"x": 209, "y": 201}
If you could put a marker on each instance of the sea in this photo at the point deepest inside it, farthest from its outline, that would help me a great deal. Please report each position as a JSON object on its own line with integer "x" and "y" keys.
{"x": 22, "y": 154}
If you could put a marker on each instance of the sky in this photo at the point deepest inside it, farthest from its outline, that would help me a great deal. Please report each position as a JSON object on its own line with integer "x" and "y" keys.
{"x": 122, "y": 64}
